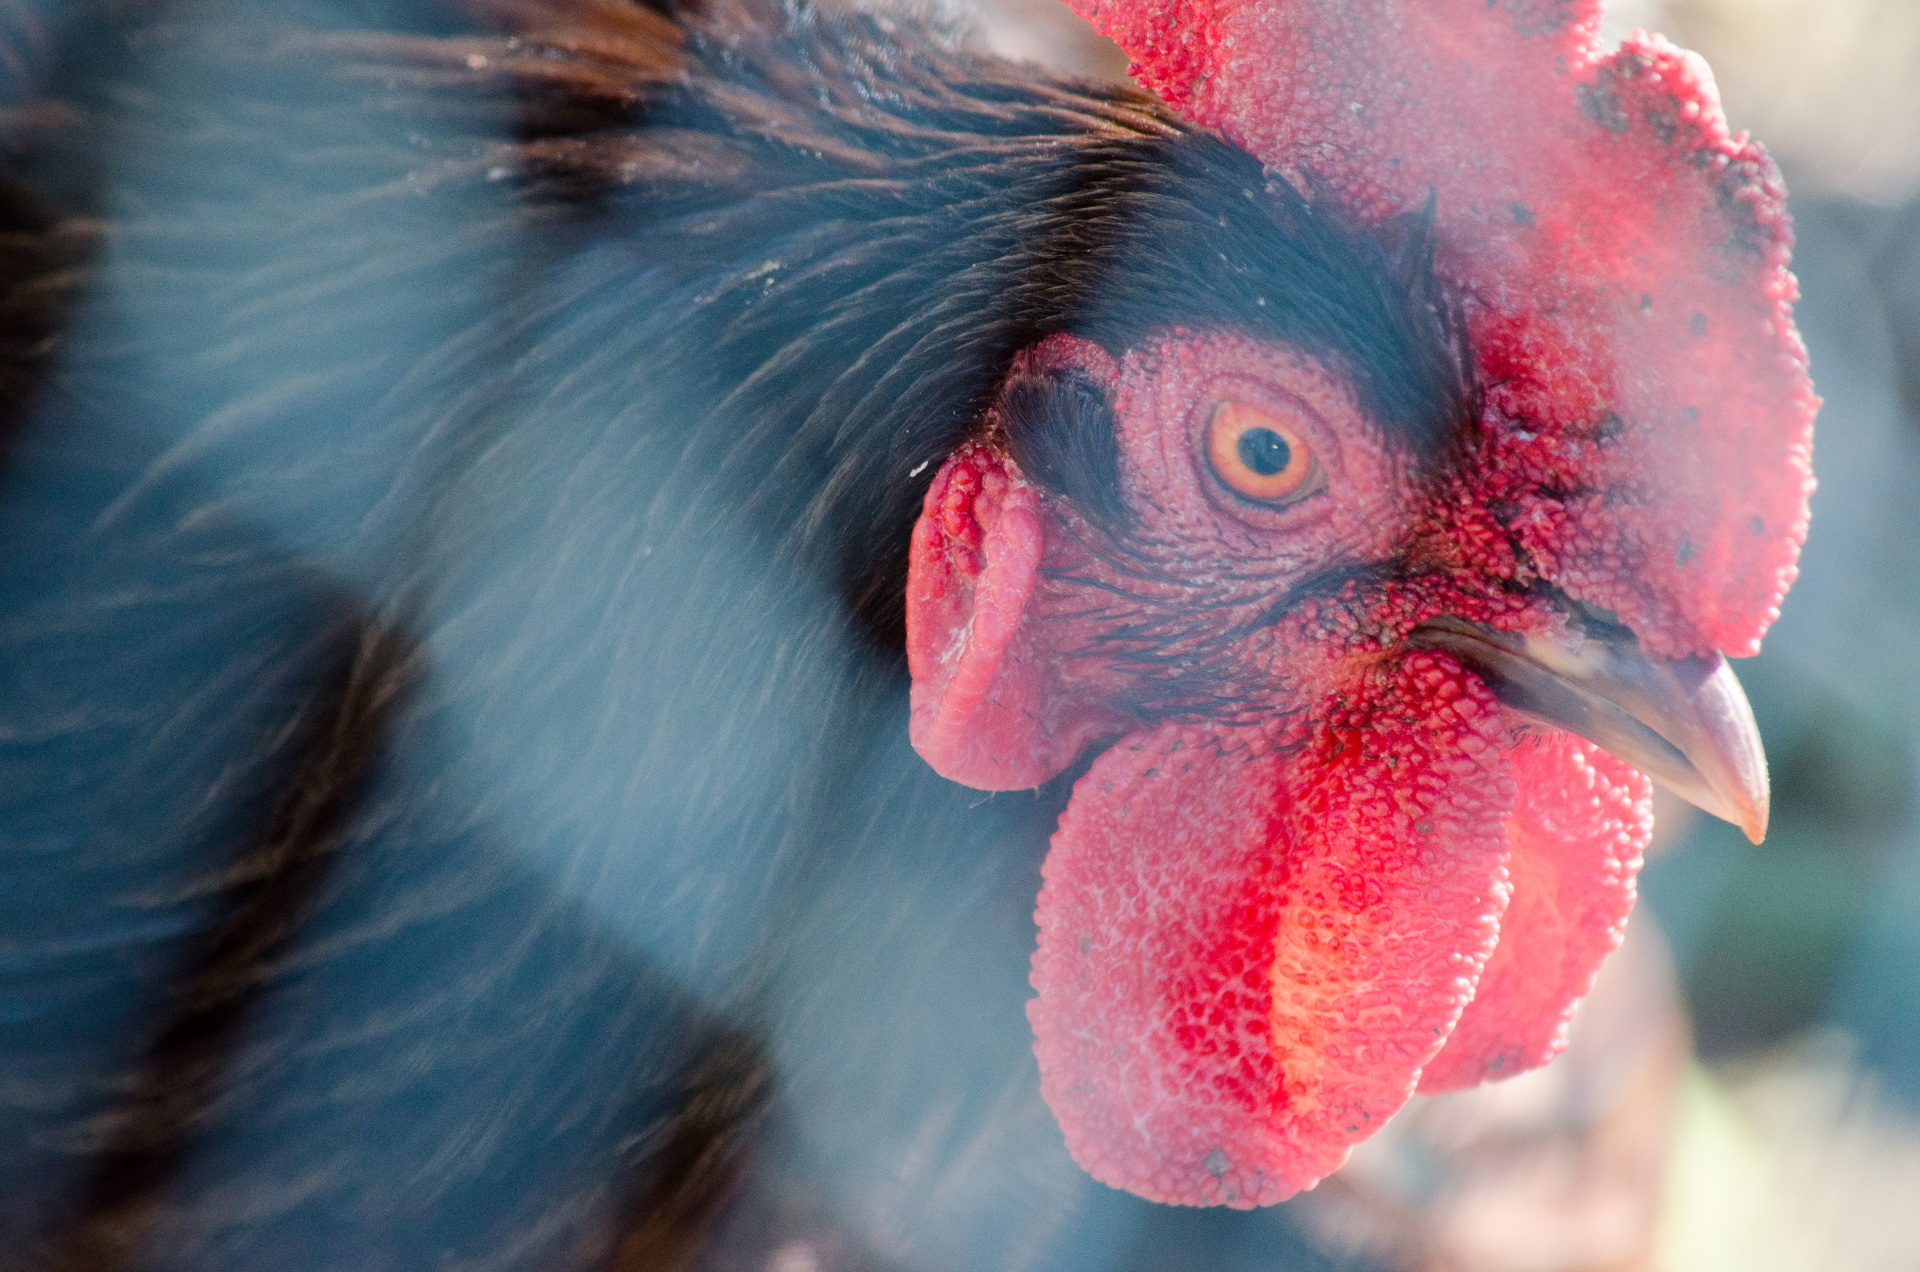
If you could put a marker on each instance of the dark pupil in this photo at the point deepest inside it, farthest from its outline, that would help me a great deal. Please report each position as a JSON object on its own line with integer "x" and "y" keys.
{"x": 1265, "y": 451}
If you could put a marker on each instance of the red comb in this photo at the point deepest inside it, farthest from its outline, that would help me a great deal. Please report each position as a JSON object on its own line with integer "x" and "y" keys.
{"x": 1623, "y": 259}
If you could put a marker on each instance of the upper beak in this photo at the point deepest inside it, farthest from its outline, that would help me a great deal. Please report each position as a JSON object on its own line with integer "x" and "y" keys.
{"x": 1685, "y": 724}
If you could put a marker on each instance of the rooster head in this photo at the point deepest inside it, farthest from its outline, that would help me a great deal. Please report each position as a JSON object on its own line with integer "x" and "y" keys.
{"x": 1377, "y": 686}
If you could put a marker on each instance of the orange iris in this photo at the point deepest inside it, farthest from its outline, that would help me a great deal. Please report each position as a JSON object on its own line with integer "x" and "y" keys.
{"x": 1256, "y": 454}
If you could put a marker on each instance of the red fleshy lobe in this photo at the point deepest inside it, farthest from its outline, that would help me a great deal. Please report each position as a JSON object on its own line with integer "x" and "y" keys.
{"x": 986, "y": 708}
{"x": 1624, "y": 259}
{"x": 1250, "y": 944}
{"x": 1581, "y": 820}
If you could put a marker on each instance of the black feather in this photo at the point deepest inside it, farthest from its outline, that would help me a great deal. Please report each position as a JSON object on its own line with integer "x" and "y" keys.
{"x": 1060, "y": 427}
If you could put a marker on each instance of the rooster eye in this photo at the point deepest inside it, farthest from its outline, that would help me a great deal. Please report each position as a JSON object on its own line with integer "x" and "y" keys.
{"x": 1257, "y": 455}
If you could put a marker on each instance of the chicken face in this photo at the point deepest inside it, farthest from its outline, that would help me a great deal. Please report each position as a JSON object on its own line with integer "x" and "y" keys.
{"x": 1381, "y": 718}
{"x": 1269, "y": 904}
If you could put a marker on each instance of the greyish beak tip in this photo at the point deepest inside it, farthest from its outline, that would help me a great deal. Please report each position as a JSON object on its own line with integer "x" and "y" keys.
{"x": 1686, "y": 724}
{"x": 1725, "y": 748}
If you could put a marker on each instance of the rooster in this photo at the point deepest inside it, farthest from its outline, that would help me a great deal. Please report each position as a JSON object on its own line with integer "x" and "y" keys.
{"x": 495, "y": 488}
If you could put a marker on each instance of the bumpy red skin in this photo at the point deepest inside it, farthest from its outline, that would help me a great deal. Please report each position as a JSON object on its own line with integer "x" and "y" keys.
{"x": 1649, "y": 409}
{"x": 1580, "y": 822}
{"x": 1250, "y": 946}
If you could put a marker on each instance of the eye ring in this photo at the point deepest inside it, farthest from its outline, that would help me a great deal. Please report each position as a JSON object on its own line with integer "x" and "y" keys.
{"x": 1257, "y": 455}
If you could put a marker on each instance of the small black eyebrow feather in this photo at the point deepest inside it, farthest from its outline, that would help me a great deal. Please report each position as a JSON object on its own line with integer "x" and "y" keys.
{"x": 1060, "y": 430}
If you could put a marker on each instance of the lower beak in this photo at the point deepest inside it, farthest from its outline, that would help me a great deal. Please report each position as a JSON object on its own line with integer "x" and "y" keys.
{"x": 1685, "y": 724}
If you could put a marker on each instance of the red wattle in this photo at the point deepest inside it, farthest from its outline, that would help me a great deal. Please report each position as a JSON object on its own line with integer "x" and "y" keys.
{"x": 1250, "y": 944}
{"x": 1581, "y": 820}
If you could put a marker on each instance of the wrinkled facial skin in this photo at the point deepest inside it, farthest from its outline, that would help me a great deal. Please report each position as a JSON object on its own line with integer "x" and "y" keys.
{"x": 1269, "y": 907}
{"x": 1174, "y": 613}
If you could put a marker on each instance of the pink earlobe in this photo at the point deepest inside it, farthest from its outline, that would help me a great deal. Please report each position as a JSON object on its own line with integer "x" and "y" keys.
{"x": 980, "y": 698}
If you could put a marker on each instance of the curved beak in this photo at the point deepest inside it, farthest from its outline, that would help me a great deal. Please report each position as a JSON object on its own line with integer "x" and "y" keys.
{"x": 1685, "y": 724}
